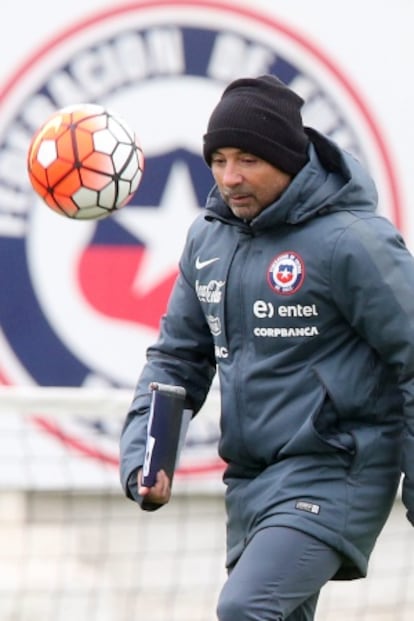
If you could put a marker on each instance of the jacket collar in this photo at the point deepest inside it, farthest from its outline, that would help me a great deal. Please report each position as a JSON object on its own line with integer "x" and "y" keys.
{"x": 332, "y": 179}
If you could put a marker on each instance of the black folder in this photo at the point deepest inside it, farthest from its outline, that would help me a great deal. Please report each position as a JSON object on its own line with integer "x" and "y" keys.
{"x": 167, "y": 427}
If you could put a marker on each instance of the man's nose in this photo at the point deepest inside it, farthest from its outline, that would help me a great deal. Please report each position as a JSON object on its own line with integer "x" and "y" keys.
{"x": 231, "y": 175}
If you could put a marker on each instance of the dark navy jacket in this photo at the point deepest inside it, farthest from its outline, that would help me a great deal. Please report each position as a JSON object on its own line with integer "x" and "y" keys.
{"x": 308, "y": 314}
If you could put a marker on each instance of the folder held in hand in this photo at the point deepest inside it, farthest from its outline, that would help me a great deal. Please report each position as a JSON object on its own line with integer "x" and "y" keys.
{"x": 167, "y": 427}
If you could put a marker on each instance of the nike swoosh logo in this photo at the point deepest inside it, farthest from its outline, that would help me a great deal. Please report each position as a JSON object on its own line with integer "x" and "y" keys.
{"x": 200, "y": 264}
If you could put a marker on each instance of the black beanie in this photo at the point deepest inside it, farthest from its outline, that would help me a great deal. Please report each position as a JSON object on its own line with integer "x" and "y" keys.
{"x": 260, "y": 116}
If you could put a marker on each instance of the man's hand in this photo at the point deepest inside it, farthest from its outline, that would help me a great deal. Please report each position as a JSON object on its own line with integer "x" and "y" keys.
{"x": 159, "y": 493}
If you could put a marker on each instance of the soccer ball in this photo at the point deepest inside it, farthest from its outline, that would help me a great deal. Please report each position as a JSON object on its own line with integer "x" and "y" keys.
{"x": 85, "y": 162}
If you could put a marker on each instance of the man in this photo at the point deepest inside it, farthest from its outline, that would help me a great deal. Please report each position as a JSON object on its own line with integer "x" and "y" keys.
{"x": 302, "y": 295}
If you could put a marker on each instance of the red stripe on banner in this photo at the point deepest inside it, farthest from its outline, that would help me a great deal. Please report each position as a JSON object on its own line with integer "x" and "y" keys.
{"x": 215, "y": 465}
{"x": 53, "y": 429}
{"x": 4, "y": 381}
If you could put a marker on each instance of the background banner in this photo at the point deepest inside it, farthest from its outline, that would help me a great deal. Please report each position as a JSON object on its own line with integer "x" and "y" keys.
{"x": 81, "y": 301}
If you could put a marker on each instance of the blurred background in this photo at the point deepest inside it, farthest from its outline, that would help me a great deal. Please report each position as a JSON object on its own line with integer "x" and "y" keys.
{"x": 81, "y": 301}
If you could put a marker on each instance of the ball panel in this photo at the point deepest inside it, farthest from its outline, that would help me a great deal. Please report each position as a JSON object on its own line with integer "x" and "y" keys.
{"x": 131, "y": 168}
{"x": 99, "y": 162}
{"x": 79, "y": 112}
{"x": 68, "y": 185}
{"x": 85, "y": 198}
{"x": 124, "y": 192}
{"x": 50, "y": 202}
{"x": 140, "y": 154}
{"x": 119, "y": 130}
{"x": 64, "y": 146}
{"x": 57, "y": 171}
{"x": 84, "y": 144}
{"x": 136, "y": 180}
{"x": 37, "y": 175}
{"x": 50, "y": 130}
{"x": 39, "y": 187}
{"x": 93, "y": 180}
{"x": 92, "y": 213}
{"x": 108, "y": 196}
{"x": 123, "y": 158}
{"x": 104, "y": 141}
{"x": 65, "y": 205}
{"x": 47, "y": 153}
{"x": 94, "y": 123}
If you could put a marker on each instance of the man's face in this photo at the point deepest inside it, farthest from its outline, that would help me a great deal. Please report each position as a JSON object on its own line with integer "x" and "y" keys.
{"x": 247, "y": 183}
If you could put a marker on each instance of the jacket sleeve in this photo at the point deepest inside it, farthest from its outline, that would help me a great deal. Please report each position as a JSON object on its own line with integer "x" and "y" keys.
{"x": 183, "y": 355}
{"x": 372, "y": 275}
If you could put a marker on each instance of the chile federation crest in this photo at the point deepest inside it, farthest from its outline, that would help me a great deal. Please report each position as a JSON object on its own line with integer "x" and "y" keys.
{"x": 286, "y": 273}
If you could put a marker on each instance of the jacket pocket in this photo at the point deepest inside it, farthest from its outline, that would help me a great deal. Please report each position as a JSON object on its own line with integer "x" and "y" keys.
{"x": 318, "y": 435}
{"x": 366, "y": 441}
{"x": 377, "y": 451}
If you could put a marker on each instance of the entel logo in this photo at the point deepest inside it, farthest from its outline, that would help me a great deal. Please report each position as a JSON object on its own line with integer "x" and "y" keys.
{"x": 266, "y": 310}
{"x": 95, "y": 292}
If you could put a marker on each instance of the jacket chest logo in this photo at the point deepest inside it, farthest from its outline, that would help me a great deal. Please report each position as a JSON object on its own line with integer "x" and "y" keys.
{"x": 286, "y": 273}
{"x": 211, "y": 292}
